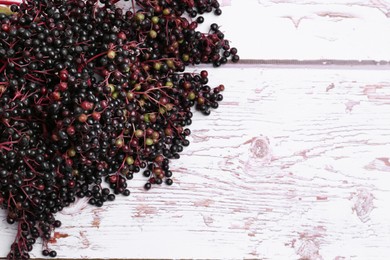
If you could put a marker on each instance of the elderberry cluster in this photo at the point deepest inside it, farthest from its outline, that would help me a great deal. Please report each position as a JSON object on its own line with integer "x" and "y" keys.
{"x": 91, "y": 94}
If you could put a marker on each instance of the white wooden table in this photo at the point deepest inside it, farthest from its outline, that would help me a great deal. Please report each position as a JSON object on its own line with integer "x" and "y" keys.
{"x": 295, "y": 164}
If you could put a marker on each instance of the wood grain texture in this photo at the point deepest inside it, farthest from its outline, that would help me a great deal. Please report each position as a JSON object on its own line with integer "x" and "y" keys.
{"x": 308, "y": 29}
{"x": 305, "y": 29}
{"x": 294, "y": 165}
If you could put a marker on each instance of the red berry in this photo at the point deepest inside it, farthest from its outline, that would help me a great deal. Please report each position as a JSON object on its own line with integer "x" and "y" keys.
{"x": 56, "y": 95}
{"x": 83, "y": 118}
{"x": 113, "y": 178}
{"x": 5, "y": 27}
{"x": 122, "y": 35}
{"x": 96, "y": 116}
{"x": 70, "y": 130}
{"x": 63, "y": 86}
{"x": 86, "y": 105}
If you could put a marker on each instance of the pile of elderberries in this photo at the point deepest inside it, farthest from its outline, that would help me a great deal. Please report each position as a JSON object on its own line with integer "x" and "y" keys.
{"x": 92, "y": 93}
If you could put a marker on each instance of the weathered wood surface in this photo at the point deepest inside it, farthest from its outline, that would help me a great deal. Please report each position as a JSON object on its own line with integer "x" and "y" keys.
{"x": 295, "y": 164}
{"x": 308, "y": 29}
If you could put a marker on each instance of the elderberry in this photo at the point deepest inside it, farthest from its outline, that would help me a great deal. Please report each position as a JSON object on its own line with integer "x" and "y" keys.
{"x": 91, "y": 93}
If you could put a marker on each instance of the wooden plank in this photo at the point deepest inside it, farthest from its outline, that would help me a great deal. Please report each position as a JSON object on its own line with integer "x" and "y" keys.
{"x": 306, "y": 29}
{"x": 294, "y": 165}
